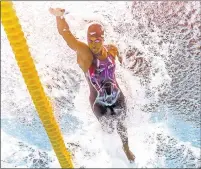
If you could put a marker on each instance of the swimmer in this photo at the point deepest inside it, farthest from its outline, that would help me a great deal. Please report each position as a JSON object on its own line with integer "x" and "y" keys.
{"x": 97, "y": 61}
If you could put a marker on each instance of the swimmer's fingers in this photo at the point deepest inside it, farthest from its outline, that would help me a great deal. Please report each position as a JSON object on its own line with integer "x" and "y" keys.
{"x": 57, "y": 11}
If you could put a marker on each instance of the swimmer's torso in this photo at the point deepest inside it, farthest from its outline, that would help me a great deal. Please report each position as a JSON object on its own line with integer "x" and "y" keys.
{"x": 101, "y": 75}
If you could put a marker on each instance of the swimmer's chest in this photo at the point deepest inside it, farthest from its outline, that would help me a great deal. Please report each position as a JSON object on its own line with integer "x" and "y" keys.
{"x": 99, "y": 67}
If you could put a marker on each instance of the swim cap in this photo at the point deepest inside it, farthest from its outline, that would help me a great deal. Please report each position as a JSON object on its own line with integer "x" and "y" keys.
{"x": 95, "y": 30}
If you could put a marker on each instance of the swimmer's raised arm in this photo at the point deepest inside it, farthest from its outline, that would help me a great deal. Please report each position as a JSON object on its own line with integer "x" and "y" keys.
{"x": 63, "y": 28}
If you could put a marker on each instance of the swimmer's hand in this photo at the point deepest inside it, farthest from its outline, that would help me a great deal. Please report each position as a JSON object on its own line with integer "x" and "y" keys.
{"x": 57, "y": 11}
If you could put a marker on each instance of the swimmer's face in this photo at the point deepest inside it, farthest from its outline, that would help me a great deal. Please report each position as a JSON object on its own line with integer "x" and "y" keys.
{"x": 95, "y": 37}
{"x": 95, "y": 44}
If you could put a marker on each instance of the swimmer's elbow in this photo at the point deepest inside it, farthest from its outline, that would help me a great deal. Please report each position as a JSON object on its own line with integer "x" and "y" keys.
{"x": 71, "y": 41}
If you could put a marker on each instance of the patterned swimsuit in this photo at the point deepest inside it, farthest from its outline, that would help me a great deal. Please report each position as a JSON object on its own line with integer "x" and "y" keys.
{"x": 102, "y": 76}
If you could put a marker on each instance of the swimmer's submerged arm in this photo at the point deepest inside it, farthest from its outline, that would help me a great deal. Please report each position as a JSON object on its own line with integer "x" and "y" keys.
{"x": 64, "y": 31}
{"x": 119, "y": 57}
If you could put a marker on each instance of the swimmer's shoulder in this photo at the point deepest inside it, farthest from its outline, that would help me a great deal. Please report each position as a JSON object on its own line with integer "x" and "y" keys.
{"x": 112, "y": 49}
